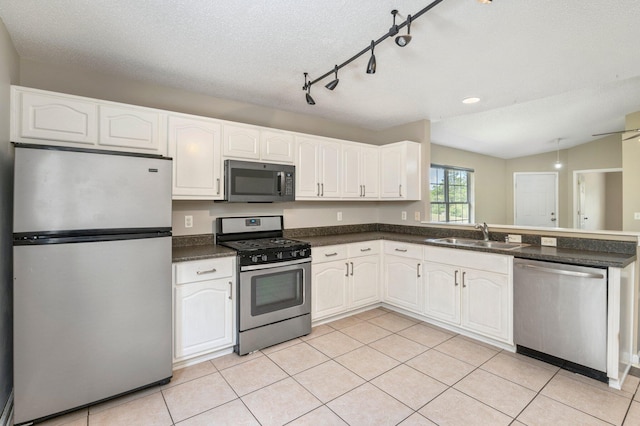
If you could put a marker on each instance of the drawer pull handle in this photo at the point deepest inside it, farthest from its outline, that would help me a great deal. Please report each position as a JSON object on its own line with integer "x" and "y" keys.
{"x": 455, "y": 279}
{"x": 331, "y": 254}
{"x": 351, "y": 268}
{"x": 366, "y": 249}
{"x": 347, "y": 265}
{"x": 218, "y": 186}
{"x": 230, "y": 290}
{"x": 210, "y": 271}
{"x": 463, "y": 283}
{"x": 401, "y": 250}
{"x": 419, "y": 270}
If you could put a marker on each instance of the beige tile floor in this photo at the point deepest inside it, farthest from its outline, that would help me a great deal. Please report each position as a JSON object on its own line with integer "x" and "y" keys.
{"x": 374, "y": 368}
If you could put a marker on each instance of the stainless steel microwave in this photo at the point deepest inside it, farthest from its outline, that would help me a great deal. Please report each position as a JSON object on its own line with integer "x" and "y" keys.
{"x": 255, "y": 182}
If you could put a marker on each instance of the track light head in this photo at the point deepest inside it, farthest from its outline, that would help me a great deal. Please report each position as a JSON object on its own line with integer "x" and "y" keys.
{"x": 371, "y": 66}
{"x": 333, "y": 83}
{"x": 403, "y": 40}
{"x": 307, "y": 87}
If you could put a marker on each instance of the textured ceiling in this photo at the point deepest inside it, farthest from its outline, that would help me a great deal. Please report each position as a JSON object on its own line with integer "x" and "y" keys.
{"x": 544, "y": 69}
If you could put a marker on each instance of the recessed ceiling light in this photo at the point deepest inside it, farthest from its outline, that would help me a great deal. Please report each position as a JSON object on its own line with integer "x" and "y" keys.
{"x": 471, "y": 100}
{"x": 485, "y": 1}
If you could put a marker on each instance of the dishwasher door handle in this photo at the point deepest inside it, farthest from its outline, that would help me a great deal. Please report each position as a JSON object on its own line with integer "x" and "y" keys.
{"x": 561, "y": 271}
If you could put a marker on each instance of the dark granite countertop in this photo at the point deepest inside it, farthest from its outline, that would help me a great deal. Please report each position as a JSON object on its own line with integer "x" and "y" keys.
{"x": 203, "y": 247}
{"x": 551, "y": 254}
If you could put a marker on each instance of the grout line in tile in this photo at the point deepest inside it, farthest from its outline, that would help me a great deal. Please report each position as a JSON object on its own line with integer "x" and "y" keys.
{"x": 173, "y": 422}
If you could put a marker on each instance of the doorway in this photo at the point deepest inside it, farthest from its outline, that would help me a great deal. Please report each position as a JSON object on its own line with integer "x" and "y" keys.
{"x": 597, "y": 199}
{"x": 535, "y": 199}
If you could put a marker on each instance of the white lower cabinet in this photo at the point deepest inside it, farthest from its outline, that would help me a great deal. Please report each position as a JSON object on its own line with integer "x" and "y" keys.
{"x": 457, "y": 291}
{"x": 403, "y": 275}
{"x": 344, "y": 277}
{"x": 204, "y": 307}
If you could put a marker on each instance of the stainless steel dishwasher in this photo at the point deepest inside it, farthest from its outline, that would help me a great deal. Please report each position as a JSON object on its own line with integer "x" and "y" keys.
{"x": 560, "y": 315}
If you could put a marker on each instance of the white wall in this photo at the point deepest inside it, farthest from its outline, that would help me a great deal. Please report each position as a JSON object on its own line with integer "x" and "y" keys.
{"x": 9, "y": 67}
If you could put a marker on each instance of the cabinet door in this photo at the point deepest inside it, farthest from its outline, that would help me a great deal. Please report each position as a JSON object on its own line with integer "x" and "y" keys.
{"x": 365, "y": 280}
{"x": 203, "y": 317}
{"x": 485, "y": 303}
{"x": 307, "y": 168}
{"x": 197, "y": 165}
{"x": 442, "y": 292}
{"x": 277, "y": 147}
{"x": 241, "y": 142}
{"x": 351, "y": 159}
{"x": 56, "y": 117}
{"x": 370, "y": 171}
{"x": 402, "y": 282}
{"x": 330, "y": 160}
{"x": 130, "y": 128}
{"x": 329, "y": 289}
{"x": 392, "y": 174}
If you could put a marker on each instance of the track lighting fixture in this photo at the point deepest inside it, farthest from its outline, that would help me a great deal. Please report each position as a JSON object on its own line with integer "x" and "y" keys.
{"x": 401, "y": 40}
{"x": 371, "y": 66}
{"x": 333, "y": 83}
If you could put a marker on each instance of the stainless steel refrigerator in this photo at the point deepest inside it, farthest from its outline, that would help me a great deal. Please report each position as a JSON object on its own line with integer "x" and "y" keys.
{"x": 92, "y": 277}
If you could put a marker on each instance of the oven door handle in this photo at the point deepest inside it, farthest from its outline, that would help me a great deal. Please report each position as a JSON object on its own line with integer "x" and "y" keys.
{"x": 274, "y": 265}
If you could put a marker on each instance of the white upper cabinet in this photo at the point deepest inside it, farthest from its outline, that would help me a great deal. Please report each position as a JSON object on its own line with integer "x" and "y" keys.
{"x": 257, "y": 144}
{"x": 277, "y": 147}
{"x": 52, "y": 117}
{"x": 130, "y": 128}
{"x": 194, "y": 146}
{"x": 241, "y": 142}
{"x": 318, "y": 172}
{"x": 400, "y": 171}
{"x": 360, "y": 171}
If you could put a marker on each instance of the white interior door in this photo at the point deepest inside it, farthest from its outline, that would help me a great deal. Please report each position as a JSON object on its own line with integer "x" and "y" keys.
{"x": 535, "y": 199}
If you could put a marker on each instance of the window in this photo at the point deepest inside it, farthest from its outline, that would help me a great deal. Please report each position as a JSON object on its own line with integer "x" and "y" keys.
{"x": 451, "y": 194}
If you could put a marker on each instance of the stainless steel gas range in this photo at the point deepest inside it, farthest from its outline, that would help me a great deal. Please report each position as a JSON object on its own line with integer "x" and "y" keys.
{"x": 274, "y": 285}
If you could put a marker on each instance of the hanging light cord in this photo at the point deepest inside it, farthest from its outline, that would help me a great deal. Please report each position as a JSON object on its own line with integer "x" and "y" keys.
{"x": 392, "y": 32}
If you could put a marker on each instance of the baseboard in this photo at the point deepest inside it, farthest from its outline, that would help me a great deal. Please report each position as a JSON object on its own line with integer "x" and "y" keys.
{"x": 7, "y": 413}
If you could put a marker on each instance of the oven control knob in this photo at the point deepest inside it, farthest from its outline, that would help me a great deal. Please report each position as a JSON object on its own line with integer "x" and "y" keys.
{"x": 254, "y": 259}
{"x": 303, "y": 252}
{"x": 264, "y": 257}
{"x": 279, "y": 255}
{"x": 294, "y": 253}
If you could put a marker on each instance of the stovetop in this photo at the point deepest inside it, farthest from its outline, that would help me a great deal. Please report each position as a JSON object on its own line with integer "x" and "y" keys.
{"x": 263, "y": 251}
{"x": 264, "y": 244}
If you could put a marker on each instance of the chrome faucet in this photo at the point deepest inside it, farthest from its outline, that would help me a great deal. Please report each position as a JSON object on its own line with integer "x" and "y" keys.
{"x": 485, "y": 230}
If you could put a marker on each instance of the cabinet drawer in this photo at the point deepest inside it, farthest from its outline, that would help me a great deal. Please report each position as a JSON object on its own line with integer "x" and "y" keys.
{"x": 488, "y": 262}
{"x": 202, "y": 270}
{"x": 329, "y": 253}
{"x": 364, "y": 248}
{"x": 403, "y": 249}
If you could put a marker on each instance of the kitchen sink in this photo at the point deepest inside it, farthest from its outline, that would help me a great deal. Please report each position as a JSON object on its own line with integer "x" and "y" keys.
{"x": 469, "y": 242}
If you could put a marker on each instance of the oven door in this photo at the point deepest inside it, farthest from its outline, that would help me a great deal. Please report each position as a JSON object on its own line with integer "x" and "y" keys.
{"x": 274, "y": 292}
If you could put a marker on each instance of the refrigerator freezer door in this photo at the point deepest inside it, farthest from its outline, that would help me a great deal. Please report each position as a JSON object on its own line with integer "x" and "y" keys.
{"x": 91, "y": 320}
{"x": 59, "y": 190}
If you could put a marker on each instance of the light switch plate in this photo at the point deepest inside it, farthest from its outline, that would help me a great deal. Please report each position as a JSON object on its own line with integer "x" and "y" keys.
{"x": 636, "y": 216}
{"x": 548, "y": 241}
{"x": 416, "y": 216}
{"x": 339, "y": 216}
{"x": 404, "y": 215}
{"x": 515, "y": 238}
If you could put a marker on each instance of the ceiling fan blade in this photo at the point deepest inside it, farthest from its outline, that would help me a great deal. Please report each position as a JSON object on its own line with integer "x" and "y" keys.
{"x": 618, "y": 132}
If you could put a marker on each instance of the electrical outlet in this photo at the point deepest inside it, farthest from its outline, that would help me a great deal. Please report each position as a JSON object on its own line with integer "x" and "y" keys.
{"x": 339, "y": 216}
{"x": 515, "y": 238}
{"x": 548, "y": 241}
{"x": 416, "y": 216}
{"x": 404, "y": 215}
{"x": 188, "y": 221}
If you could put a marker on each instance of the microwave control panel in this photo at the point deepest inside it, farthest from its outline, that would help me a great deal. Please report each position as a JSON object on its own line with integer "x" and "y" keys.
{"x": 288, "y": 184}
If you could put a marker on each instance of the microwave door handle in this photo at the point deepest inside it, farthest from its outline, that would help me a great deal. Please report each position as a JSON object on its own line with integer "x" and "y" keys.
{"x": 280, "y": 183}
